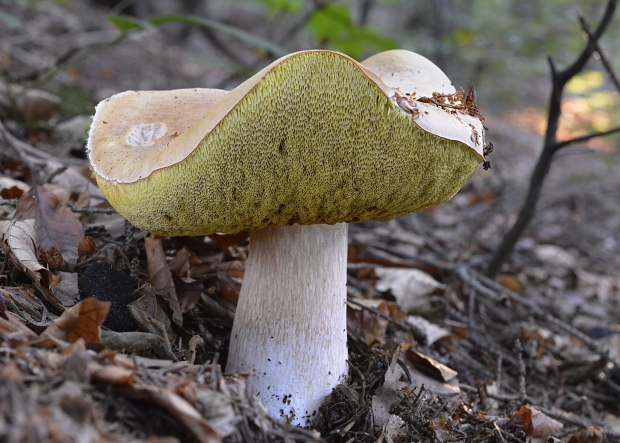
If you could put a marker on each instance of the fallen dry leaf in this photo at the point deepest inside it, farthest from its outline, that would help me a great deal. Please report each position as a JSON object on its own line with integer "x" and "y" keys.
{"x": 591, "y": 434}
{"x": 228, "y": 240}
{"x": 183, "y": 411}
{"x": 215, "y": 406}
{"x": 188, "y": 289}
{"x": 555, "y": 256}
{"x": 20, "y": 237}
{"x": 14, "y": 331}
{"x": 152, "y": 318}
{"x": 113, "y": 375}
{"x": 396, "y": 380}
{"x": 392, "y": 429}
{"x": 431, "y": 331}
{"x": 217, "y": 307}
{"x": 67, "y": 290}
{"x": 182, "y": 263}
{"x": 83, "y": 320}
{"x": 410, "y": 287}
{"x": 52, "y": 258}
{"x": 432, "y": 367}
{"x": 160, "y": 276}
{"x": 11, "y": 188}
{"x": 476, "y": 197}
{"x": 30, "y": 306}
{"x": 537, "y": 424}
{"x": 367, "y": 324}
{"x": 11, "y": 372}
{"x": 63, "y": 194}
{"x": 188, "y": 293}
{"x": 75, "y": 181}
{"x": 86, "y": 246}
{"x": 56, "y": 225}
{"x": 31, "y": 104}
{"x": 132, "y": 341}
{"x": 230, "y": 277}
{"x": 511, "y": 282}
{"x": 83, "y": 201}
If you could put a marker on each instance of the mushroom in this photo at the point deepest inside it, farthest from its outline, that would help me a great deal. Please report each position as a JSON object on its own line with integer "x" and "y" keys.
{"x": 310, "y": 142}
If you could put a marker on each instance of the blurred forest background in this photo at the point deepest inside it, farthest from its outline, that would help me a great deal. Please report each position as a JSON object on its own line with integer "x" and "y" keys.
{"x": 500, "y": 46}
{"x": 557, "y": 294}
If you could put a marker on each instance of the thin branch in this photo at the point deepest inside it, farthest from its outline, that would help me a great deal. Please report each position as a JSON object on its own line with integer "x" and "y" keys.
{"x": 492, "y": 289}
{"x": 602, "y": 52}
{"x": 69, "y": 60}
{"x": 551, "y": 145}
{"x": 24, "y": 149}
{"x": 418, "y": 334}
{"x": 574, "y": 69}
{"x": 9, "y": 201}
{"x": 585, "y": 138}
{"x": 90, "y": 210}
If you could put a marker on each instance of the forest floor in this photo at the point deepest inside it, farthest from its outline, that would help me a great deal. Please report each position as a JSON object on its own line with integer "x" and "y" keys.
{"x": 437, "y": 351}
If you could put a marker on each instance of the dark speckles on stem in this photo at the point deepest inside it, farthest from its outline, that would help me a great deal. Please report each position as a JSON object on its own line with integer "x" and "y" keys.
{"x": 281, "y": 147}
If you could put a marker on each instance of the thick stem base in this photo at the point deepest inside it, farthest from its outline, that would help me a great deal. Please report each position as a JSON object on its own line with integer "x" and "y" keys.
{"x": 289, "y": 330}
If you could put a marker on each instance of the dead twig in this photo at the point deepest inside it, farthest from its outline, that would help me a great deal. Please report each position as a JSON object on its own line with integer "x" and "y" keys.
{"x": 600, "y": 49}
{"x": 417, "y": 333}
{"x": 585, "y": 138}
{"x": 71, "y": 58}
{"x": 9, "y": 201}
{"x": 518, "y": 349}
{"x": 89, "y": 211}
{"x": 551, "y": 145}
{"x": 495, "y": 291}
{"x": 32, "y": 154}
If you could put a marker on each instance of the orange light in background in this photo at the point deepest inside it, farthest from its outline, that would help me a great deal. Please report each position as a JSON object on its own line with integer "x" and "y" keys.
{"x": 580, "y": 116}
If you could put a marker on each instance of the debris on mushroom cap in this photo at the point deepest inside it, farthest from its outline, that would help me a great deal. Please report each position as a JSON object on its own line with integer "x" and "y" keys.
{"x": 313, "y": 138}
{"x": 422, "y": 89}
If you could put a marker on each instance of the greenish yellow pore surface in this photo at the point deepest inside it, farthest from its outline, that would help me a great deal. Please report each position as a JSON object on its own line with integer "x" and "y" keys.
{"x": 314, "y": 142}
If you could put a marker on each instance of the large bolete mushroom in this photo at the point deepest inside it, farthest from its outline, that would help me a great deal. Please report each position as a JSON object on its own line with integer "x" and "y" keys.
{"x": 312, "y": 141}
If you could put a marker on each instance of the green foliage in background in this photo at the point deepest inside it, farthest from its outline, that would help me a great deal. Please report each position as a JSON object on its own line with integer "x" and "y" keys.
{"x": 128, "y": 24}
{"x": 278, "y": 6}
{"x": 333, "y": 25}
{"x": 10, "y": 21}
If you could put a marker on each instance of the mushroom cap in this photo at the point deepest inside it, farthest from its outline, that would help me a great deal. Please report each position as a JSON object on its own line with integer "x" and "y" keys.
{"x": 315, "y": 137}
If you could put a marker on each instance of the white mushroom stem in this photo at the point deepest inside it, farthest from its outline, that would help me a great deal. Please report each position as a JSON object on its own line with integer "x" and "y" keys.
{"x": 289, "y": 330}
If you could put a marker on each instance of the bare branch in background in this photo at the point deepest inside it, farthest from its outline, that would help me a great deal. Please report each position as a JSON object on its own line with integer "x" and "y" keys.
{"x": 551, "y": 145}
{"x": 600, "y": 49}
